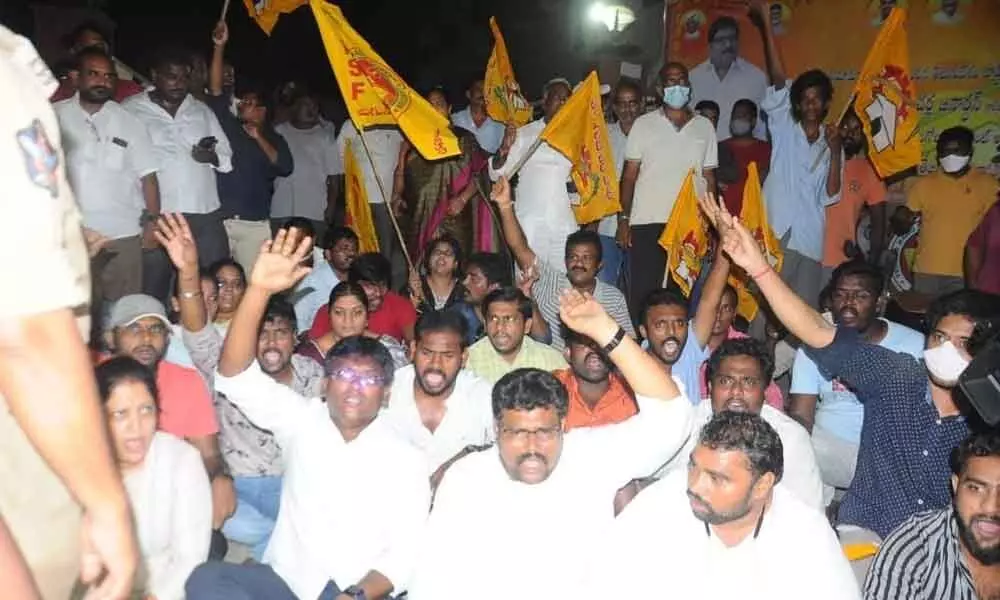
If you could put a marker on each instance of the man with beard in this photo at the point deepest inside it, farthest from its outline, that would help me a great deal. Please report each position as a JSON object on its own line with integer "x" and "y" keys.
{"x": 724, "y": 528}
{"x": 727, "y": 77}
{"x": 488, "y": 132}
{"x": 597, "y": 394}
{"x": 826, "y": 406}
{"x": 191, "y": 146}
{"x": 953, "y": 552}
{"x": 113, "y": 171}
{"x": 543, "y": 485}
{"x": 737, "y": 375}
{"x": 437, "y": 405}
{"x": 581, "y": 262}
{"x": 251, "y": 454}
{"x": 507, "y": 345}
{"x": 340, "y": 248}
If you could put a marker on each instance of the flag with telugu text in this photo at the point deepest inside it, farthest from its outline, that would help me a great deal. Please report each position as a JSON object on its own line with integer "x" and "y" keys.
{"x": 753, "y": 216}
{"x": 374, "y": 93}
{"x": 504, "y": 101}
{"x": 685, "y": 237}
{"x": 267, "y": 12}
{"x": 885, "y": 99}
{"x": 358, "y": 212}
{"x": 580, "y": 133}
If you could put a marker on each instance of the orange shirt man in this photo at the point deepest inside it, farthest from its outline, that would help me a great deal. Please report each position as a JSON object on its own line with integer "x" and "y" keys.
{"x": 597, "y": 395}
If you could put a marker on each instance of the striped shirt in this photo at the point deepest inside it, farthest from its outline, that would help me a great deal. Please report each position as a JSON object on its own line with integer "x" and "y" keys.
{"x": 921, "y": 560}
{"x": 550, "y": 286}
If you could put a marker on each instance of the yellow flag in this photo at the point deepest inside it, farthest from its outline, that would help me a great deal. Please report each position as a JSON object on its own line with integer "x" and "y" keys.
{"x": 266, "y": 12}
{"x": 579, "y": 132}
{"x": 685, "y": 238}
{"x": 504, "y": 101}
{"x": 374, "y": 93}
{"x": 359, "y": 212}
{"x": 885, "y": 99}
{"x": 753, "y": 216}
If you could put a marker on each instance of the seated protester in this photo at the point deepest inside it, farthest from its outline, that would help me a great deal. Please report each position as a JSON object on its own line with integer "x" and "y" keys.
{"x": 507, "y": 346}
{"x": 583, "y": 261}
{"x": 723, "y": 330}
{"x": 164, "y": 477}
{"x": 348, "y": 316}
{"x": 597, "y": 393}
{"x": 231, "y": 280}
{"x": 485, "y": 272}
{"x": 724, "y": 528}
{"x": 827, "y": 407}
{"x": 355, "y": 496}
{"x": 542, "y": 480}
{"x": 388, "y": 313}
{"x": 953, "y": 552}
{"x": 736, "y": 374}
{"x": 678, "y": 342}
{"x": 340, "y": 248}
{"x": 912, "y": 408}
{"x": 436, "y": 405}
{"x": 177, "y": 352}
{"x": 437, "y": 286}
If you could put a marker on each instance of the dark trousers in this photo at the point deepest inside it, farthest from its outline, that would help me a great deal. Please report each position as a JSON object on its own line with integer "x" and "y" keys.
{"x": 647, "y": 264}
{"x": 213, "y": 245}
{"x": 225, "y": 581}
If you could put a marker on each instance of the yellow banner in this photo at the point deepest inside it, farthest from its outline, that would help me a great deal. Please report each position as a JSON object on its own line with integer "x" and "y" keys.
{"x": 267, "y": 12}
{"x": 374, "y": 93}
{"x": 504, "y": 101}
{"x": 685, "y": 238}
{"x": 358, "y": 212}
{"x": 886, "y": 100}
{"x": 579, "y": 132}
{"x": 753, "y": 216}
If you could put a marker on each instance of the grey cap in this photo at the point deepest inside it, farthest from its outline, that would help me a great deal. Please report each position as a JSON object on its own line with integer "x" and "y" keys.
{"x": 129, "y": 309}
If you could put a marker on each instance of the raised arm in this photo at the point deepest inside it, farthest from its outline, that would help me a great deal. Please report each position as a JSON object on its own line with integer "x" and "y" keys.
{"x": 219, "y": 38}
{"x": 174, "y": 234}
{"x": 775, "y": 68}
{"x": 523, "y": 254}
{"x": 711, "y": 297}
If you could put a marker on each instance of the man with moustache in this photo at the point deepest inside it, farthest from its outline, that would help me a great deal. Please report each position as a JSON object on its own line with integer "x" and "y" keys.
{"x": 340, "y": 248}
{"x": 953, "y": 552}
{"x": 597, "y": 394}
{"x": 488, "y": 132}
{"x": 543, "y": 485}
{"x": 826, "y": 406}
{"x": 113, "y": 171}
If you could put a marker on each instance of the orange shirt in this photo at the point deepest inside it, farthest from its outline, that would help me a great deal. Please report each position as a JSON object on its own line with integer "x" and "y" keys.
{"x": 860, "y": 186}
{"x": 186, "y": 407}
{"x": 617, "y": 404}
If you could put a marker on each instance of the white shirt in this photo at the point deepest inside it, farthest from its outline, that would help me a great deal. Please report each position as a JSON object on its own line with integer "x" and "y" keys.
{"x": 667, "y": 154}
{"x": 315, "y": 156}
{"x": 185, "y": 185}
{"x": 468, "y": 419}
{"x": 346, "y": 507}
{"x": 801, "y": 474}
{"x": 107, "y": 153}
{"x": 659, "y": 549}
{"x": 542, "y": 202}
{"x": 172, "y": 505}
{"x": 609, "y": 225}
{"x": 384, "y": 145}
{"x": 494, "y": 538}
{"x": 489, "y": 134}
{"x": 742, "y": 80}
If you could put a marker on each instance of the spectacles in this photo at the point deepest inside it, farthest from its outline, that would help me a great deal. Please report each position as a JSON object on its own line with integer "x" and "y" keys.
{"x": 840, "y": 295}
{"x": 358, "y": 380}
{"x": 744, "y": 381}
{"x": 154, "y": 329}
{"x": 541, "y": 435}
{"x": 505, "y": 319}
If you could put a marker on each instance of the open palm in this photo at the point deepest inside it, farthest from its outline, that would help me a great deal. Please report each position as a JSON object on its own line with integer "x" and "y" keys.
{"x": 279, "y": 264}
{"x": 582, "y": 313}
{"x": 174, "y": 234}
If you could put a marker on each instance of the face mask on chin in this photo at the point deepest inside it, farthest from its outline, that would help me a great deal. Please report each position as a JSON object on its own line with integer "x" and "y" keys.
{"x": 953, "y": 163}
{"x": 945, "y": 364}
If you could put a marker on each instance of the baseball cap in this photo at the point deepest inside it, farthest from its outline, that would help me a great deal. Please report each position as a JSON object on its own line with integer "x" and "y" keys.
{"x": 129, "y": 309}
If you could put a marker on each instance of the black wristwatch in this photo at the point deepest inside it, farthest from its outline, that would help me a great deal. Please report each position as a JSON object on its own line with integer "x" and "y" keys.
{"x": 619, "y": 336}
{"x": 355, "y": 592}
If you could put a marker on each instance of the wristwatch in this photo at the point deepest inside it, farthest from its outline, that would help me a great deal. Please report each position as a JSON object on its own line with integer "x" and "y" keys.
{"x": 355, "y": 592}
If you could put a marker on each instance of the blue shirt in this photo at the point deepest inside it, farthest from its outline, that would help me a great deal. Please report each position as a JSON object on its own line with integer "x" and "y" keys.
{"x": 905, "y": 444}
{"x": 688, "y": 366}
{"x": 839, "y": 411}
{"x": 489, "y": 134}
{"x": 795, "y": 188}
{"x": 312, "y": 293}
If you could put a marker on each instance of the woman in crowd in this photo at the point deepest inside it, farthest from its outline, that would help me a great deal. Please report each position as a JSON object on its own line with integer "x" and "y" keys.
{"x": 349, "y": 317}
{"x": 437, "y": 286}
{"x": 231, "y": 280}
{"x": 165, "y": 478}
{"x": 177, "y": 352}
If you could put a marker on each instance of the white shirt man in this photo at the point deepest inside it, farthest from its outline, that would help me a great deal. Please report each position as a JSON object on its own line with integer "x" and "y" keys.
{"x": 303, "y": 193}
{"x": 383, "y": 143}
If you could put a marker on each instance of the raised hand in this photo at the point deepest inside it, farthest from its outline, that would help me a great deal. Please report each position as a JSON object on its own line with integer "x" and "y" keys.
{"x": 279, "y": 264}
{"x": 174, "y": 234}
{"x": 583, "y": 314}
{"x": 743, "y": 249}
{"x": 509, "y": 136}
{"x": 501, "y": 193}
{"x": 714, "y": 210}
{"x": 220, "y": 35}
{"x": 833, "y": 139}
{"x": 526, "y": 280}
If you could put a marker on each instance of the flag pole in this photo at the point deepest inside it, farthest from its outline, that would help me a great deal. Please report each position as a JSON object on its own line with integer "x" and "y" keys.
{"x": 385, "y": 199}
{"x": 524, "y": 158}
{"x": 225, "y": 9}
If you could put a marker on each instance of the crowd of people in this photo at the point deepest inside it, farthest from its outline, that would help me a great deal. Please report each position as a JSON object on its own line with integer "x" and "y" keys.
{"x": 531, "y": 409}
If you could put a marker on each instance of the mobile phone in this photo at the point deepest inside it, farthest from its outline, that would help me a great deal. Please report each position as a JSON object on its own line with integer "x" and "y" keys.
{"x": 208, "y": 142}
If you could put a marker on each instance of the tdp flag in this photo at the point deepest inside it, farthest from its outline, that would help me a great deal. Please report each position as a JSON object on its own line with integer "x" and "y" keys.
{"x": 504, "y": 101}
{"x": 753, "y": 216}
{"x": 685, "y": 238}
{"x": 266, "y": 12}
{"x": 885, "y": 100}
{"x": 374, "y": 93}
{"x": 358, "y": 212}
{"x": 579, "y": 132}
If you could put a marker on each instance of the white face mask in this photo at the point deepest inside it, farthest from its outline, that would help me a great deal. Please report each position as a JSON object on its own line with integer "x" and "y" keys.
{"x": 740, "y": 127}
{"x": 945, "y": 364}
{"x": 953, "y": 163}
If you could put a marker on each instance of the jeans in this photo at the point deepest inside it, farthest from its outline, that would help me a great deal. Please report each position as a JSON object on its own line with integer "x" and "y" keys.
{"x": 612, "y": 257}
{"x": 226, "y": 581}
{"x": 257, "y": 503}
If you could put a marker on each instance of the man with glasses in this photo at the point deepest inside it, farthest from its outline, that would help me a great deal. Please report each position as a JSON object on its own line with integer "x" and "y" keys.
{"x": 355, "y": 495}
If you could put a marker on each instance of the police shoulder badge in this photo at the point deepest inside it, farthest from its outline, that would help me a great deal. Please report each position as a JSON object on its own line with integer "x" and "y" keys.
{"x": 40, "y": 158}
